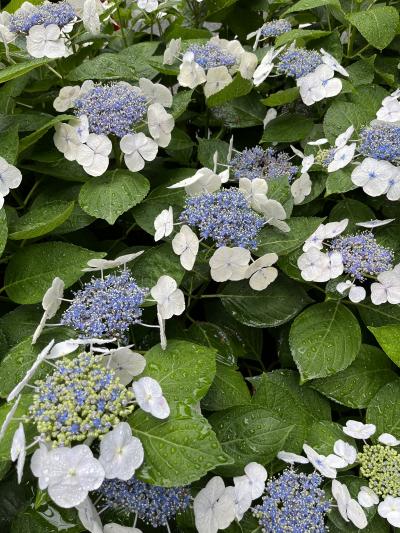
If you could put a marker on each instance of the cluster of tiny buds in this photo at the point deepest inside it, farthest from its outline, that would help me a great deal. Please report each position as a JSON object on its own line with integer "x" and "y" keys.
{"x": 276, "y": 27}
{"x": 381, "y": 466}
{"x": 298, "y": 62}
{"x": 210, "y": 55}
{"x": 80, "y": 399}
{"x": 381, "y": 141}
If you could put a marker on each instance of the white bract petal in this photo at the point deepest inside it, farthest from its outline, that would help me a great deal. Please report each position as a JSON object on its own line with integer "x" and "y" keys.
{"x": 390, "y": 509}
{"x": 120, "y": 453}
{"x": 374, "y": 223}
{"x": 255, "y": 192}
{"x": 292, "y": 458}
{"x": 148, "y": 5}
{"x": 342, "y": 139}
{"x": 318, "y": 85}
{"x": 388, "y": 439}
{"x": 104, "y": 264}
{"x": 346, "y": 451}
{"x": 126, "y": 364}
{"x": 301, "y": 188}
{"x": 40, "y": 466}
{"x": 253, "y": 482}
{"x": 342, "y": 496}
{"x": 356, "y": 514}
{"x": 186, "y": 245}
{"x": 358, "y": 430}
{"x": 170, "y": 300}
{"x": 261, "y": 273}
{"x": 137, "y": 148}
{"x": 17, "y": 451}
{"x": 329, "y": 60}
{"x": 164, "y": 224}
{"x": 190, "y": 73}
{"x": 89, "y": 516}
{"x": 205, "y": 180}
{"x": 342, "y": 157}
{"x": 172, "y": 50}
{"x": 155, "y": 92}
{"x": 160, "y": 124}
{"x": 67, "y": 141}
{"x": 372, "y": 175}
{"x": 66, "y": 98}
{"x": 10, "y": 177}
{"x": 216, "y": 79}
{"x": 90, "y": 16}
{"x": 229, "y": 263}
{"x": 149, "y": 397}
{"x": 116, "y": 528}
{"x": 387, "y": 288}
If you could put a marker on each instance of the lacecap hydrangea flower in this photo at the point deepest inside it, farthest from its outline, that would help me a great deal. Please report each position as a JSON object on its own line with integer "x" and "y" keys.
{"x": 213, "y": 63}
{"x": 274, "y": 28}
{"x": 81, "y": 398}
{"x": 113, "y": 111}
{"x": 293, "y": 502}
{"x": 106, "y": 307}
{"x": 154, "y": 505}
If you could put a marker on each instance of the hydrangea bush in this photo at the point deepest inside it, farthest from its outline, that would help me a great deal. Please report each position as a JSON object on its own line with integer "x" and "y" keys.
{"x": 200, "y": 258}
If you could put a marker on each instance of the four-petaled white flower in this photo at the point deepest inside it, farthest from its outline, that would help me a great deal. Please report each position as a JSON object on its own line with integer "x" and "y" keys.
{"x": 156, "y": 93}
{"x": 170, "y": 300}
{"x": 319, "y": 266}
{"x": 301, "y": 188}
{"x": 93, "y": 155}
{"x": 69, "y": 474}
{"x": 319, "y": 462}
{"x": 356, "y": 293}
{"x": 216, "y": 79}
{"x": 260, "y": 273}
{"x": 255, "y": 192}
{"x": 120, "y": 453}
{"x": 318, "y": 85}
{"x": 186, "y": 245}
{"x": 307, "y": 160}
{"x": 367, "y": 497}
{"x": 346, "y": 451}
{"x": 148, "y": 5}
{"x": 172, "y": 50}
{"x": 358, "y": 430}
{"x": 325, "y": 231}
{"x": 149, "y": 397}
{"x": 66, "y": 98}
{"x": 390, "y": 109}
{"x": 18, "y": 452}
{"x": 125, "y": 363}
{"x": 387, "y": 287}
{"x": 10, "y": 178}
{"x": 253, "y": 480}
{"x": 390, "y": 509}
{"x": 373, "y": 176}
{"x": 190, "y": 73}
{"x": 45, "y": 41}
{"x": 205, "y": 180}
{"x": 264, "y": 69}
{"x": 67, "y": 141}
{"x": 349, "y": 509}
{"x": 164, "y": 224}
{"x": 248, "y": 65}
{"x": 214, "y": 506}
{"x": 229, "y": 263}
{"x": 137, "y": 148}
{"x": 160, "y": 124}
{"x": 342, "y": 157}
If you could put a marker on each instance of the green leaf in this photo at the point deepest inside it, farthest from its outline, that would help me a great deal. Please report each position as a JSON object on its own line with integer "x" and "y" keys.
{"x": 19, "y": 324}
{"x": 306, "y": 5}
{"x": 383, "y": 410}
{"x": 354, "y": 210}
{"x": 184, "y": 370}
{"x": 180, "y": 103}
{"x": 341, "y": 115}
{"x": 324, "y": 340}
{"x": 226, "y": 341}
{"x": 288, "y": 128}
{"x": 227, "y": 390}
{"x": 379, "y": 315}
{"x": 389, "y": 339}
{"x": 9, "y": 143}
{"x": 304, "y": 35}
{"x": 3, "y": 230}
{"x": 362, "y": 72}
{"x": 322, "y": 436}
{"x": 22, "y": 409}
{"x": 238, "y": 87}
{"x": 141, "y": 52}
{"x": 243, "y": 112}
{"x": 156, "y": 262}
{"x": 273, "y": 240}
{"x": 213, "y": 6}
{"x": 113, "y": 193}
{"x": 48, "y": 520}
{"x": 27, "y": 141}
{"x": 377, "y": 25}
{"x": 19, "y": 69}
{"x": 280, "y": 392}
{"x": 339, "y": 182}
{"x": 177, "y": 451}
{"x": 106, "y": 66}
{"x": 41, "y": 220}
{"x": 249, "y": 433}
{"x": 275, "y": 305}
{"x": 32, "y": 269}
{"x": 286, "y": 96}
{"x": 358, "y": 383}
{"x": 207, "y": 149}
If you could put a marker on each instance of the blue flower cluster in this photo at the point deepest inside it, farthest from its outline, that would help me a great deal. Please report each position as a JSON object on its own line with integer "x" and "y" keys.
{"x": 113, "y": 108}
{"x": 381, "y": 142}
{"x": 60, "y": 14}
{"x": 255, "y": 163}
{"x": 362, "y": 256}
{"x": 106, "y": 307}
{"x": 298, "y": 62}
{"x": 225, "y": 217}
{"x": 210, "y": 55}
{"x": 293, "y": 502}
{"x": 276, "y": 27}
{"x": 80, "y": 399}
{"x": 154, "y": 505}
